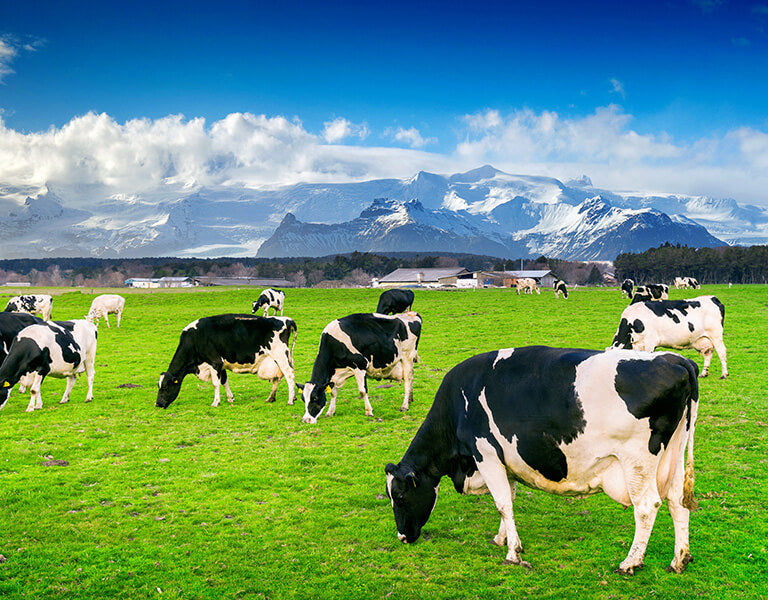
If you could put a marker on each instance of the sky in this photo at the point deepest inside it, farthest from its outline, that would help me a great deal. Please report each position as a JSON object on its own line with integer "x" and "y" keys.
{"x": 654, "y": 96}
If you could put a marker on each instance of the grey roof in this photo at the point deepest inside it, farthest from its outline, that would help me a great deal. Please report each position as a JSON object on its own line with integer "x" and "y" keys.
{"x": 534, "y": 274}
{"x": 245, "y": 281}
{"x": 427, "y": 275}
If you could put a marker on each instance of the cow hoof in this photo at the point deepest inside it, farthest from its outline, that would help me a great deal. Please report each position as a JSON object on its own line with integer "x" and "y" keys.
{"x": 404, "y": 408}
{"x": 290, "y": 402}
{"x": 724, "y": 376}
{"x": 65, "y": 400}
{"x": 703, "y": 374}
{"x": 628, "y": 570}
{"x": 270, "y": 399}
{"x": 89, "y": 399}
{"x": 29, "y": 410}
{"x": 498, "y": 542}
{"x": 523, "y": 563}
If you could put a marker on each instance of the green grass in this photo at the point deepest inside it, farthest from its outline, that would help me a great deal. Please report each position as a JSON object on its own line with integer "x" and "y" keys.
{"x": 246, "y": 501}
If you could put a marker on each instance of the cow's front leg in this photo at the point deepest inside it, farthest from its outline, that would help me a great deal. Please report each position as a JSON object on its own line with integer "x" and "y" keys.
{"x": 70, "y": 384}
{"x": 216, "y": 381}
{"x": 362, "y": 388}
{"x": 332, "y": 404}
{"x": 285, "y": 364}
{"x": 106, "y": 318}
{"x": 408, "y": 379}
{"x": 119, "y": 317}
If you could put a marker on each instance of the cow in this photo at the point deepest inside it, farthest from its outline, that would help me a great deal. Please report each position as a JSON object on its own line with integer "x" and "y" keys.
{"x": 695, "y": 323}
{"x": 680, "y": 283}
{"x": 270, "y": 298}
{"x": 379, "y": 346}
{"x": 653, "y": 291}
{"x": 626, "y": 288}
{"x": 41, "y": 304}
{"x": 11, "y": 323}
{"x": 560, "y": 288}
{"x": 692, "y": 283}
{"x": 395, "y": 301}
{"x": 54, "y": 348}
{"x": 105, "y": 304}
{"x": 567, "y": 421}
{"x": 528, "y": 285}
{"x": 211, "y": 346}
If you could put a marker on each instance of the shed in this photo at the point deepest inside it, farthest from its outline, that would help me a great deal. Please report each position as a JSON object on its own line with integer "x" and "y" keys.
{"x": 442, "y": 277}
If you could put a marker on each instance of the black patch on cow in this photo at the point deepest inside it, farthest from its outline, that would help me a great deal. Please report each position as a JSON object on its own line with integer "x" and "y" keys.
{"x": 394, "y": 301}
{"x": 374, "y": 337}
{"x": 64, "y": 338}
{"x": 670, "y": 308}
{"x": 721, "y": 307}
{"x": 638, "y": 326}
{"x": 658, "y": 391}
{"x": 531, "y": 396}
{"x": 690, "y": 327}
{"x": 11, "y": 323}
{"x": 623, "y": 337}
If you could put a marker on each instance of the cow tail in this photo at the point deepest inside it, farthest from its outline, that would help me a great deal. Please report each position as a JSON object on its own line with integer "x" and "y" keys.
{"x": 295, "y": 335}
{"x": 689, "y": 500}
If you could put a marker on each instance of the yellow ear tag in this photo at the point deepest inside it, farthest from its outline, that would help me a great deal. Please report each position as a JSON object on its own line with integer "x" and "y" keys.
{"x": 175, "y": 381}
{"x": 6, "y": 384}
{"x": 325, "y": 389}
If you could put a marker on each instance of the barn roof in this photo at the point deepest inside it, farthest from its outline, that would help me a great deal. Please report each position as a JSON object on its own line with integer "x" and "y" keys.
{"x": 427, "y": 275}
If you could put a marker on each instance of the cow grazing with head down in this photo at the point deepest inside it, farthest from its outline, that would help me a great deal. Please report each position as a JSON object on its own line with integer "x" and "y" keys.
{"x": 40, "y": 304}
{"x": 528, "y": 285}
{"x": 379, "y": 346}
{"x": 211, "y": 346}
{"x": 11, "y": 323}
{"x": 105, "y": 304}
{"x": 56, "y": 349}
{"x": 652, "y": 291}
{"x": 269, "y": 298}
{"x": 696, "y": 323}
{"x": 560, "y": 288}
{"x": 395, "y": 301}
{"x": 692, "y": 283}
{"x": 569, "y": 422}
{"x": 626, "y": 288}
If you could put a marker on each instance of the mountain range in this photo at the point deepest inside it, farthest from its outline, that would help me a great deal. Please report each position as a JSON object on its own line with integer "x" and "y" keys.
{"x": 483, "y": 211}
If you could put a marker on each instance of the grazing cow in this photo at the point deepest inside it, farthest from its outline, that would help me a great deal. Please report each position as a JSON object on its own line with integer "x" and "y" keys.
{"x": 626, "y": 288}
{"x": 10, "y": 325}
{"x": 569, "y": 422}
{"x": 696, "y": 323}
{"x": 692, "y": 283}
{"x": 528, "y": 285}
{"x": 41, "y": 304}
{"x": 395, "y": 301}
{"x": 270, "y": 298}
{"x": 56, "y": 348}
{"x": 653, "y": 291}
{"x": 104, "y": 305}
{"x": 211, "y": 346}
{"x": 382, "y": 347}
{"x": 560, "y": 288}
{"x": 680, "y": 283}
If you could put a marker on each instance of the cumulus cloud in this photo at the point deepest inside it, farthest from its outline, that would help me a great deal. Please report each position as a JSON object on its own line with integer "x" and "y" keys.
{"x": 7, "y": 53}
{"x": 340, "y": 128}
{"x": 410, "y": 136}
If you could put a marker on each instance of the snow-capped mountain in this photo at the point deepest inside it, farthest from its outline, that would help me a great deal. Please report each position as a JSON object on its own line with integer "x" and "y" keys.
{"x": 482, "y": 208}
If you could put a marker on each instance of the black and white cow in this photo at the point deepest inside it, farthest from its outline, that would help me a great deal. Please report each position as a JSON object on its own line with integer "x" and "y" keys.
{"x": 626, "y": 288}
{"x": 270, "y": 298}
{"x": 692, "y": 283}
{"x": 379, "y": 346}
{"x": 41, "y": 304}
{"x": 11, "y": 323}
{"x": 696, "y": 323}
{"x": 569, "y": 422}
{"x": 560, "y": 288}
{"x": 56, "y": 349}
{"x": 395, "y": 301}
{"x": 211, "y": 346}
{"x": 652, "y": 291}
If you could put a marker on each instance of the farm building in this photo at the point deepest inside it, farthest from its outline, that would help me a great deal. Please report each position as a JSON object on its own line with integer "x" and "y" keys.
{"x": 160, "y": 282}
{"x": 244, "y": 281}
{"x": 446, "y": 277}
{"x": 504, "y": 278}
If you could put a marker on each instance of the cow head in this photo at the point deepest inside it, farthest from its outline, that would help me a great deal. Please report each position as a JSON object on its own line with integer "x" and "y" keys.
{"x": 413, "y": 498}
{"x": 167, "y": 389}
{"x": 257, "y": 304}
{"x": 314, "y": 400}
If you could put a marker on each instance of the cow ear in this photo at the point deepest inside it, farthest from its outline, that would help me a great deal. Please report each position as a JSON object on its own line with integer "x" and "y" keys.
{"x": 390, "y": 469}
{"x": 300, "y": 386}
{"x": 411, "y": 478}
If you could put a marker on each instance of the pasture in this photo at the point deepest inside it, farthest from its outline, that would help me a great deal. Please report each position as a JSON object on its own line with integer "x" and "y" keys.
{"x": 246, "y": 501}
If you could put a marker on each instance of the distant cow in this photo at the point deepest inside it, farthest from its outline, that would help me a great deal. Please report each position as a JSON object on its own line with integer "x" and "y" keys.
{"x": 270, "y": 299}
{"x": 528, "y": 285}
{"x": 56, "y": 349}
{"x": 696, "y": 323}
{"x": 560, "y": 288}
{"x": 395, "y": 301}
{"x": 653, "y": 291}
{"x": 34, "y": 304}
{"x": 382, "y": 347}
{"x": 569, "y": 422}
{"x": 692, "y": 283}
{"x": 211, "y": 346}
{"x": 626, "y": 288}
{"x": 104, "y": 305}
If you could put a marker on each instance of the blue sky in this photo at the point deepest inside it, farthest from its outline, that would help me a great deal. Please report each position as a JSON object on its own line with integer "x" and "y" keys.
{"x": 676, "y": 75}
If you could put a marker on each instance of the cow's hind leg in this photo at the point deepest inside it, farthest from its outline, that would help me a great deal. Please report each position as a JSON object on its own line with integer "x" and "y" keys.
{"x": 705, "y": 346}
{"x": 273, "y": 391}
{"x": 494, "y": 474}
{"x": 119, "y": 317}
{"x": 90, "y": 373}
{"x": 408, "y": 379}
{"x": 216, "y": 381}
{"x": 70, "y": 384}
{"x": 230, "y": 395}
{"x": 106, "y": 318}
{"x": 362, "y": 387}
{"x": 643, "y": 492}
{"x": 721, "y": 354}
{"x": 680, "y": 518}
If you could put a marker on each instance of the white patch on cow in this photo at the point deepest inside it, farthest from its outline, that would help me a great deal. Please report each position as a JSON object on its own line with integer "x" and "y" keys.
{"x": 390, "y": 477}
{"x": 503, "y": 355}
{"x": 192, "y": 325}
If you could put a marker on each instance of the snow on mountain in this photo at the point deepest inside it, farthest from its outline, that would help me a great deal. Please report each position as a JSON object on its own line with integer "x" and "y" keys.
{"x": 483, "y": 207}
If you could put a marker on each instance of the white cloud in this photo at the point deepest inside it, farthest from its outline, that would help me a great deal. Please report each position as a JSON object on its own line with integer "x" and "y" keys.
{"x": 410, "y": 136}
{"x": 617, "y": 87}
{"x": 7, "y": 53}
{"x": 340, "y": 128}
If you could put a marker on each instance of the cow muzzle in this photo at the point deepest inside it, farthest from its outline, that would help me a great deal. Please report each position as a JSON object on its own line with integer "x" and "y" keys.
{"x": 402, "y": 538}
{"x": 309, "y": 419}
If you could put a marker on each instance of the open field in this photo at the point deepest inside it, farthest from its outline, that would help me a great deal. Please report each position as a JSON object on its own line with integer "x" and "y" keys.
{"x": 246, "y": 501}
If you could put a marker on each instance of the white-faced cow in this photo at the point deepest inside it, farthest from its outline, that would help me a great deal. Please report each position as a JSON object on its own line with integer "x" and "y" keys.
{"x": 34, "y": 304}
{"x": 105, "y": 304}
{"x": 560, "y": 288}
{"x": 56, "y": 349}
{"x": 379, "y": 346}
{"x": 269, "y": 298}
{"x": 652, "y": 291}
{"x": 569, "y": 422}
{"x": 696, "y": 323}
{"x": 211, "y": 346}
{"x": 395, "y": 301}
{"x": 626, "y": 288}
{"x": 528, "y": 285}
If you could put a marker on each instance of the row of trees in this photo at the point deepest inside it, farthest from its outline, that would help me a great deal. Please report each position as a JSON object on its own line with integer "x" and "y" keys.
{"x": 727, "y": 264}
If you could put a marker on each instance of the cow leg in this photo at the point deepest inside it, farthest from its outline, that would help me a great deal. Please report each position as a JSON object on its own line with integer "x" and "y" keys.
{"x": 70, "y": 384}
{"x": 119, "y": 316}
{"x": 266, "y": 311}
{"x": 273, "y": 391}
{"x": 332, "y": 404}
{"x": 32, "y": 398}
{"x": 284, "y": 363}
{"x": 721, "y": 354}
{"x": 494, "y": 474}
{"x": 106, "y": 318}
{"x": 90, "y": 373}
{"x": 680, "y": 518}
{"x": 408, "y": 379}
{"x": 704, "y": 345}
{"x": 643, "y": 493}
{"x": 362, "y": 387}
{"x": 216, "y": 381}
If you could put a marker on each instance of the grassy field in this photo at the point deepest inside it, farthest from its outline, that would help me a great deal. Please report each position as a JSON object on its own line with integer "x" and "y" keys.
{"x": 246, "y": 501}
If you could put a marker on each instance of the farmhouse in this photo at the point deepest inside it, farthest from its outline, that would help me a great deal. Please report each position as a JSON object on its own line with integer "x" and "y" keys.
{"x": 507, "y": 278}
{"x": 160, "y": 282}
{"x": 244, "y": 281}
{"x": 444, "y": 277}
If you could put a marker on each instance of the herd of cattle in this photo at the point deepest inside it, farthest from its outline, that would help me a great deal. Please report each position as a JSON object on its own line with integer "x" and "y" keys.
{"x": 567, "y": 421}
